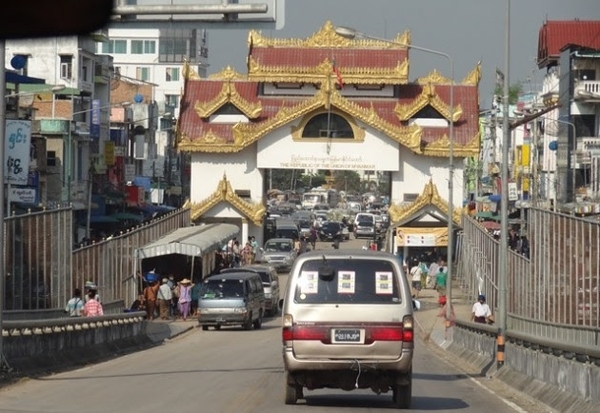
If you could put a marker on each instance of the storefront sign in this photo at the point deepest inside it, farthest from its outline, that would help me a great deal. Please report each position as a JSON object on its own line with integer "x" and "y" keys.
{"x": 24, "y": 195}
{"x": 17, "y": 147}
{"x": 421, "y": 237}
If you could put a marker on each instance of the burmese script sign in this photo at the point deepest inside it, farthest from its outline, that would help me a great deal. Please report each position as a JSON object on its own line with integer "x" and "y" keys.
{"x": 327, "y": 162}
{"x": 279, "y": 151}
{"x": 17, "y": 148}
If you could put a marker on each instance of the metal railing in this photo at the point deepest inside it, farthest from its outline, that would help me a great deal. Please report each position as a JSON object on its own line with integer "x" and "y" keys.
{"x": 42, "y": 269}
{"x": 111, "y": 264}
{"x": 555, "y": 294}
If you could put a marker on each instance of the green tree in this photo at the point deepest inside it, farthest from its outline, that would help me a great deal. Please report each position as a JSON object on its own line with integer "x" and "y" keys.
{"x": 348, "y": 181}
{"x": 514, "y": 91}
{"x": 311, "y": 180}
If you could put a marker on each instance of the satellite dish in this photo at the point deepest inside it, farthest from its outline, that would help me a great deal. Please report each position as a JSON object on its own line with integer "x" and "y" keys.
{"x": 18, "y": 62}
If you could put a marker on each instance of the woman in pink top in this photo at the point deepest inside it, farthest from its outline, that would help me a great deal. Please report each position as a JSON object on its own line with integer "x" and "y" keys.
{"x": 93, "y": 307}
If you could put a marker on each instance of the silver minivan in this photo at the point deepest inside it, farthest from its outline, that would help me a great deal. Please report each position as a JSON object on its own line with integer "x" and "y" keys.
{"x": 236, "y": 298}
{"x": 348, "y": 324}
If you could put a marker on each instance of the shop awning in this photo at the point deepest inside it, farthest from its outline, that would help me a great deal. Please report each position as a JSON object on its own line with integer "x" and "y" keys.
{"x": 193, "y": 241}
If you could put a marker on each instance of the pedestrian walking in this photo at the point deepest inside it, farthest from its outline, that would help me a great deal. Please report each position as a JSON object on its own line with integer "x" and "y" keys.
{"x": 75, "y": 304}
{"x": 415, "y": 274}
{"x": 93, "y": 307}
{"x": 164, "y": 296}
{"x": 150, "y": 297}
{"x": 481, "y": 312}
{"x": 185, "y": 298}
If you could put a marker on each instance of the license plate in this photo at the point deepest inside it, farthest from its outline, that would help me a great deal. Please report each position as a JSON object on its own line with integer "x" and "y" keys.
{"x": 347, "y": 336}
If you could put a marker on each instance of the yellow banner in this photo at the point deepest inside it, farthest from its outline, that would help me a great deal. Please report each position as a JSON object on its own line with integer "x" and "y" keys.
{"x": 109, "y": 153}
{"x": 421, "y": 237}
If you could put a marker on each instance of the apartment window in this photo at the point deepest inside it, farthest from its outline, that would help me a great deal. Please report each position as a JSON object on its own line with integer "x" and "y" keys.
{"x": 51, "y": 158}
{"x": 172, "y": 74}
{"x": 143, "y": 46}
{"x": 115, "y": 47}
{"x": 142, "y": 73}
{"x": 176, "y": 44}
{"x": 172, "y": 101}
{"x": 66, "y": 66}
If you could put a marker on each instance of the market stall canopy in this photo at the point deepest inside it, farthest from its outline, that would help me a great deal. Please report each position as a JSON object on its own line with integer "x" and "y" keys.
{"x": 192, "y": 241}
{"x": 487, "y": 215}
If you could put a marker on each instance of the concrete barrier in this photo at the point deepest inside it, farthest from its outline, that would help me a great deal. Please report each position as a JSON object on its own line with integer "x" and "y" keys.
{"x": 34, "y": 347}
{"x": 561, "y": 380}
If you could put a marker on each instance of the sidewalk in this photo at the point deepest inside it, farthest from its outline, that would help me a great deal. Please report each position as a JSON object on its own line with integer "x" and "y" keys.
{"x": 430, "y": 319}
{"x": 161, "y": 330}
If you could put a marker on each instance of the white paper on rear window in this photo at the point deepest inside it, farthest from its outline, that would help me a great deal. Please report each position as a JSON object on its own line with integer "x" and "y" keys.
{"x": 383, "y": 282}
{"x": 346, "y": 282}
{"x": 309, "y": 282}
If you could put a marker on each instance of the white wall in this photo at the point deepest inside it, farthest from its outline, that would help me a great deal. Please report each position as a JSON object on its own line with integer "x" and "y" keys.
{"x": 240, "y": 169}
{"x": 417, "y": 170}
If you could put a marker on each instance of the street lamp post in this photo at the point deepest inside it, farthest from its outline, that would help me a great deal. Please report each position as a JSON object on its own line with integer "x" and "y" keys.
{"x": 351, "y": 33}
{"x": 503, "y": 253}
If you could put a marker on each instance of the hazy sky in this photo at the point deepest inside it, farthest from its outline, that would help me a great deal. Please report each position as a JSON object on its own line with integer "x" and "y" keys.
{"x": 468, "y": 30}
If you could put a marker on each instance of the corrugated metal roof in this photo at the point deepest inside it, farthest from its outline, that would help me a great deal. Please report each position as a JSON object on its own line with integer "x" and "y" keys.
{"x": 193, "y": 241}
{"x": 554, "y": 35}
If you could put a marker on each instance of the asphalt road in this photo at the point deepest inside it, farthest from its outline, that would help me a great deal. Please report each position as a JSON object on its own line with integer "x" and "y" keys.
{"x": 233, "y": 370}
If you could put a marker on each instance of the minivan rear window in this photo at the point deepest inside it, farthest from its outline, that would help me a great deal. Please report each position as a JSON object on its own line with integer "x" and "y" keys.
{"x": 222, "y": 289}
{"x": 357, "y": 281}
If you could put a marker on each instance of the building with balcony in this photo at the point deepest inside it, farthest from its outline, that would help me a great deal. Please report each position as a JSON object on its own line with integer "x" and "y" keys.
{"x": 569, "y": 51}
{"x": 74, "y": 121}
{"x": 156, "y": 57}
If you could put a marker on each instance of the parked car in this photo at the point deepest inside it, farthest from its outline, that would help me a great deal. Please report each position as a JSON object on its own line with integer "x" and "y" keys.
{"x": 278, "y": 252}
{"x": 270, "y": 282}
{"x": 347, "y": 312}
{"x": 235, "y": 298}
{"x": 330, "y": 231}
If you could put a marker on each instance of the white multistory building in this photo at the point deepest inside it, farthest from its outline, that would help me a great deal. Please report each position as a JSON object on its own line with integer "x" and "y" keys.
{"x": 156, "y": 57}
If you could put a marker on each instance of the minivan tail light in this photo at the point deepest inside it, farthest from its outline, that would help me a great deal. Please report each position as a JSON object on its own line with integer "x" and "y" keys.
{"x": 407, "y": 324}
{"x": 306, "y": 333}
{"x": 386, "y": 333}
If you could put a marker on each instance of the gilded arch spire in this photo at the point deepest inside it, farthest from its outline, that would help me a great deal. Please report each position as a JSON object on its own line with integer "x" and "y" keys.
{"x": 473, "y": 77}
{"x": 429, "y": 196}
{"x": 428, "y": 96}
{"x": 326, "y": 37}
{"x": 228, "y": 94}
{"x": 225, "y": 193}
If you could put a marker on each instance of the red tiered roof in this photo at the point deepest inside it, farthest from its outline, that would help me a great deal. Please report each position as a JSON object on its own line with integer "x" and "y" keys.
{"x": 554, "y": 35}
{"x": 310, "y": 57}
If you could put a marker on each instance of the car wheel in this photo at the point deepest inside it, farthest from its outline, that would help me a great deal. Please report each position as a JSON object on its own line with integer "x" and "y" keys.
{"x": 275, "y": 309}
{"x": 248, "y": 324}
{"x": 293, "y": 392}
{"x": 218, "y": 327}
{"x": 258, "y": 322}
{"x": 402, "y": 395}
{"x": 204, "y": 328}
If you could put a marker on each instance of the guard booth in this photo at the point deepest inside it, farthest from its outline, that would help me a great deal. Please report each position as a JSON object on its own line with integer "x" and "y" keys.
{"x": 188, "y": 252}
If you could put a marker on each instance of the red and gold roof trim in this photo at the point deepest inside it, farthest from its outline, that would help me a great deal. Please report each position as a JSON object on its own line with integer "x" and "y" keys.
{"x": 429, "y": 196}
{"x": 225, "y": 193}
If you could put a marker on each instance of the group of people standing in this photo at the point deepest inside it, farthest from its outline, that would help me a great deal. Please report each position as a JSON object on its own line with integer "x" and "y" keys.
{"x": 169, "y": 299}
{"x": 88, "y": 305}
{"x": 234, "y": 255}
{"x": 428, "y": 272}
